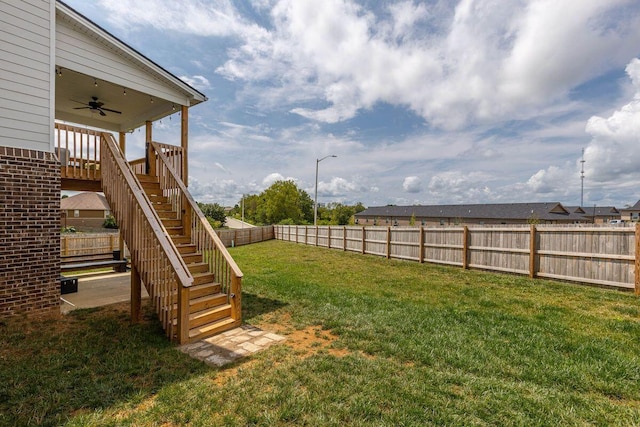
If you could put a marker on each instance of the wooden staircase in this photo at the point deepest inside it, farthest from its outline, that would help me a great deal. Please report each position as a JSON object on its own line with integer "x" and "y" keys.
{"x": 210, "y": 309}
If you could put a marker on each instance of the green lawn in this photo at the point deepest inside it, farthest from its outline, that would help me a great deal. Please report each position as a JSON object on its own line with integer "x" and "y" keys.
{"x": 369, "y": 342}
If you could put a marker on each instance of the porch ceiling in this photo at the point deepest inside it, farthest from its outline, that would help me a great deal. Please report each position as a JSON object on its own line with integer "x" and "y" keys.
{"x": 73, "y": 89}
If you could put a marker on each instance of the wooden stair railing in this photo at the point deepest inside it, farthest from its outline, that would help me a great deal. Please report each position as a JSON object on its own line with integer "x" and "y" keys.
{"x": 153, "y": 253}
{"x": 197, "y": 232}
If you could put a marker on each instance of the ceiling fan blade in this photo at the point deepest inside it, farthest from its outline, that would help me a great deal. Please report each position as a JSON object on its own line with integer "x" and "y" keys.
{"x": 102, "y": 113}
{"x": 111, "y": 111}
{"x": 80, "y": 108}
{"x": 73, "y": 100}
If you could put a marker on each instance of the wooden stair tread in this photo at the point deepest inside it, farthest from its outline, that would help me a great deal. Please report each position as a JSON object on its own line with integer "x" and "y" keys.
{"x": 213, "y": 328}
{"x": 197, "y": 291}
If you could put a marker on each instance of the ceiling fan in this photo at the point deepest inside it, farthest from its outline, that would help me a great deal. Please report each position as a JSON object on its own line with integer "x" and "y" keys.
{"x": 96, "y": 105}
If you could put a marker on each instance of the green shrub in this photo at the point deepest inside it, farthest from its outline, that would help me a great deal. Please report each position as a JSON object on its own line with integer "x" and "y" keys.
{"x": 110, "y": 222}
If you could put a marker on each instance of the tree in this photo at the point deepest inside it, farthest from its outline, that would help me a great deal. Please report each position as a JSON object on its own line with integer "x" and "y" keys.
{"x": 341, "y": 214}
{"x": 284, "y": 201}
{"x": 214, "y": 212}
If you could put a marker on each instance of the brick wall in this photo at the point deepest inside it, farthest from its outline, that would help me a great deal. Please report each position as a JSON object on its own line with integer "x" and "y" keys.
{"x": 29, "y": 232}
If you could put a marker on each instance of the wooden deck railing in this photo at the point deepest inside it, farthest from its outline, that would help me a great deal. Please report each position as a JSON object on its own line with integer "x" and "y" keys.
{"x": 221, "y": 264}
{"x": 153, "y": 254}
{"x": 79, "y": 152}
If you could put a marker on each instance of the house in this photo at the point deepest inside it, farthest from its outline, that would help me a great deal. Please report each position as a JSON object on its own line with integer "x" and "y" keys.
{"x": 84, "y": 211}
{"x": 70, "y": 93}
{"x": 499, "y": 213}
{"x": 631, "y": 213}
{"x": 596, "y": 214}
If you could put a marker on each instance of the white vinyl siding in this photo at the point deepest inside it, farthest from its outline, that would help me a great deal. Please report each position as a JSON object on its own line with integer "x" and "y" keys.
{"x": 26, "y": 93}
{"x": 77, "y": 50}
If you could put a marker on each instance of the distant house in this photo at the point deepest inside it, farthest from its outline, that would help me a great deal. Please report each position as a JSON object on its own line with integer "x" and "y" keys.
{"x": 632, "y": 213}
{"x": 596, "y": 214}
{"x": 84, "y": 211}
{"x": 501, "y": 213}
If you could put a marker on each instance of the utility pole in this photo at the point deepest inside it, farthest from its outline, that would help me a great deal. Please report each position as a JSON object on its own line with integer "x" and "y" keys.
{"x": 582, "y": 181}
{"x": 315, "y": 197}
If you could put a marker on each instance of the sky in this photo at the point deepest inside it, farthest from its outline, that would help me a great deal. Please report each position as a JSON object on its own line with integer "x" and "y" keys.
{"x": 422, "y": 102}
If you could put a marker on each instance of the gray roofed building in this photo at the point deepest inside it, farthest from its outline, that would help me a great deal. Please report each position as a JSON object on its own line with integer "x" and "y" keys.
{"x": 499, "y": 213}
{"x": 632, "y": 213}
{"x": 596, "y": 214}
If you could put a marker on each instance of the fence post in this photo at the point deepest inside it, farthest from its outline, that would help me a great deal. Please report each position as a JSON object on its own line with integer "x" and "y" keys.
{"x": 532, "y": 252}
{"x": 296, "y": 234}
{"x": 388, "y": 242}
{"x": 329, "y": 237}
{"x": 316, "y": 235}
{"x": 465, "y": 247}
{"x": 637, "y": 263}
{"x": 421, "y": 249}
{"x": 306, "y": 234}
{"x": 364, "y": 240}
{"x": 344, "y": 238}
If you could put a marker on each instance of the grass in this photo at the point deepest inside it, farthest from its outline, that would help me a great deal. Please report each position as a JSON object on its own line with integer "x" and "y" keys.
{"x": 369, "y": 342}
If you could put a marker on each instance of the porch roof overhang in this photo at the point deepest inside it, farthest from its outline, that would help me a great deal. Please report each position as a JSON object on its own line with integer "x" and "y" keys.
{"x": 95, "y": 64}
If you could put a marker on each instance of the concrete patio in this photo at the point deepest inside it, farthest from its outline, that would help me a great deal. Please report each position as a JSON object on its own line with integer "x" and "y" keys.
{"x": 98, "y": 290}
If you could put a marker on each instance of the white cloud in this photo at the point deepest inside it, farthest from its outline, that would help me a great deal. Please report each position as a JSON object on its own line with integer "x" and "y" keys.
{"x": 203, "y": 18}
{"x": 412, "y": 184}
{"x": 612, "y": 156}
{"x": 552, "y": 181}
{"x": 338, "y": 187}
{"x": 199, "y": 82}
{"x": 459, "y": 187}
{"x": 493, "y": 59}
{"x": 271, "y": 178}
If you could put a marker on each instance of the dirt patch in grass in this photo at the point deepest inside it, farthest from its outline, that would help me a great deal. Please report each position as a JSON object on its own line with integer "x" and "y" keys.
{"x": 312, "y": 340}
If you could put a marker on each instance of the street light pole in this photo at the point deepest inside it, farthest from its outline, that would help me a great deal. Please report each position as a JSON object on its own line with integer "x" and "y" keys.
{"x": 315, "y": 198}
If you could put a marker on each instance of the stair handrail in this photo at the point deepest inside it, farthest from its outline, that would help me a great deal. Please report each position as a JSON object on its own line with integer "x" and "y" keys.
{"x": 199, "y": 216}
{"x": 160, "y": 233}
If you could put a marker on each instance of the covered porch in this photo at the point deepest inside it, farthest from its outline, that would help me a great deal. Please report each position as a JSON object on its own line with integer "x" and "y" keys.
{"x": 104, "y": 89}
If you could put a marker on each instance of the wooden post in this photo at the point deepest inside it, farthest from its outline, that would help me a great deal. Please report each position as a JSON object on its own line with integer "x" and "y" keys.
{"x": 150, "y": 158}
{"x": 184, "y": 142}
{"x": 421, "y": 249}
{"x": 306, "y": 234}
{"x": 296, "y": 234}
{"x": 316, "y": 235}
{"x": 344, "y": 238}
{"x": 465, "y": 247}
{"x": 122, "y": 139}
{"x": 532, "y": 251}
{"x": 183, "y": 314}
{"x": 637, "y": 261}
{"x": 388, "y": 242}
{"x": 186, "y": 216}
{"x": 364, "y": 240}
{"x": 236, "y": 297}
{"x": 329, "y": 237}
{"x": 136, "y": 295}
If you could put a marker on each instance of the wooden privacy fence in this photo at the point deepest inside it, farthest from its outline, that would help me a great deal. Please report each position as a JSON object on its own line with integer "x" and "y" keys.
{"x": 608, "y": 256}
{"x": 98, "y": 243}
{"x": 245, "y": 236}
{"x": 72, "y": 244}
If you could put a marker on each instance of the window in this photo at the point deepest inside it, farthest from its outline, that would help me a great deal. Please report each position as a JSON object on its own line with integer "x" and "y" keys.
{"x": 76, "y": 213}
